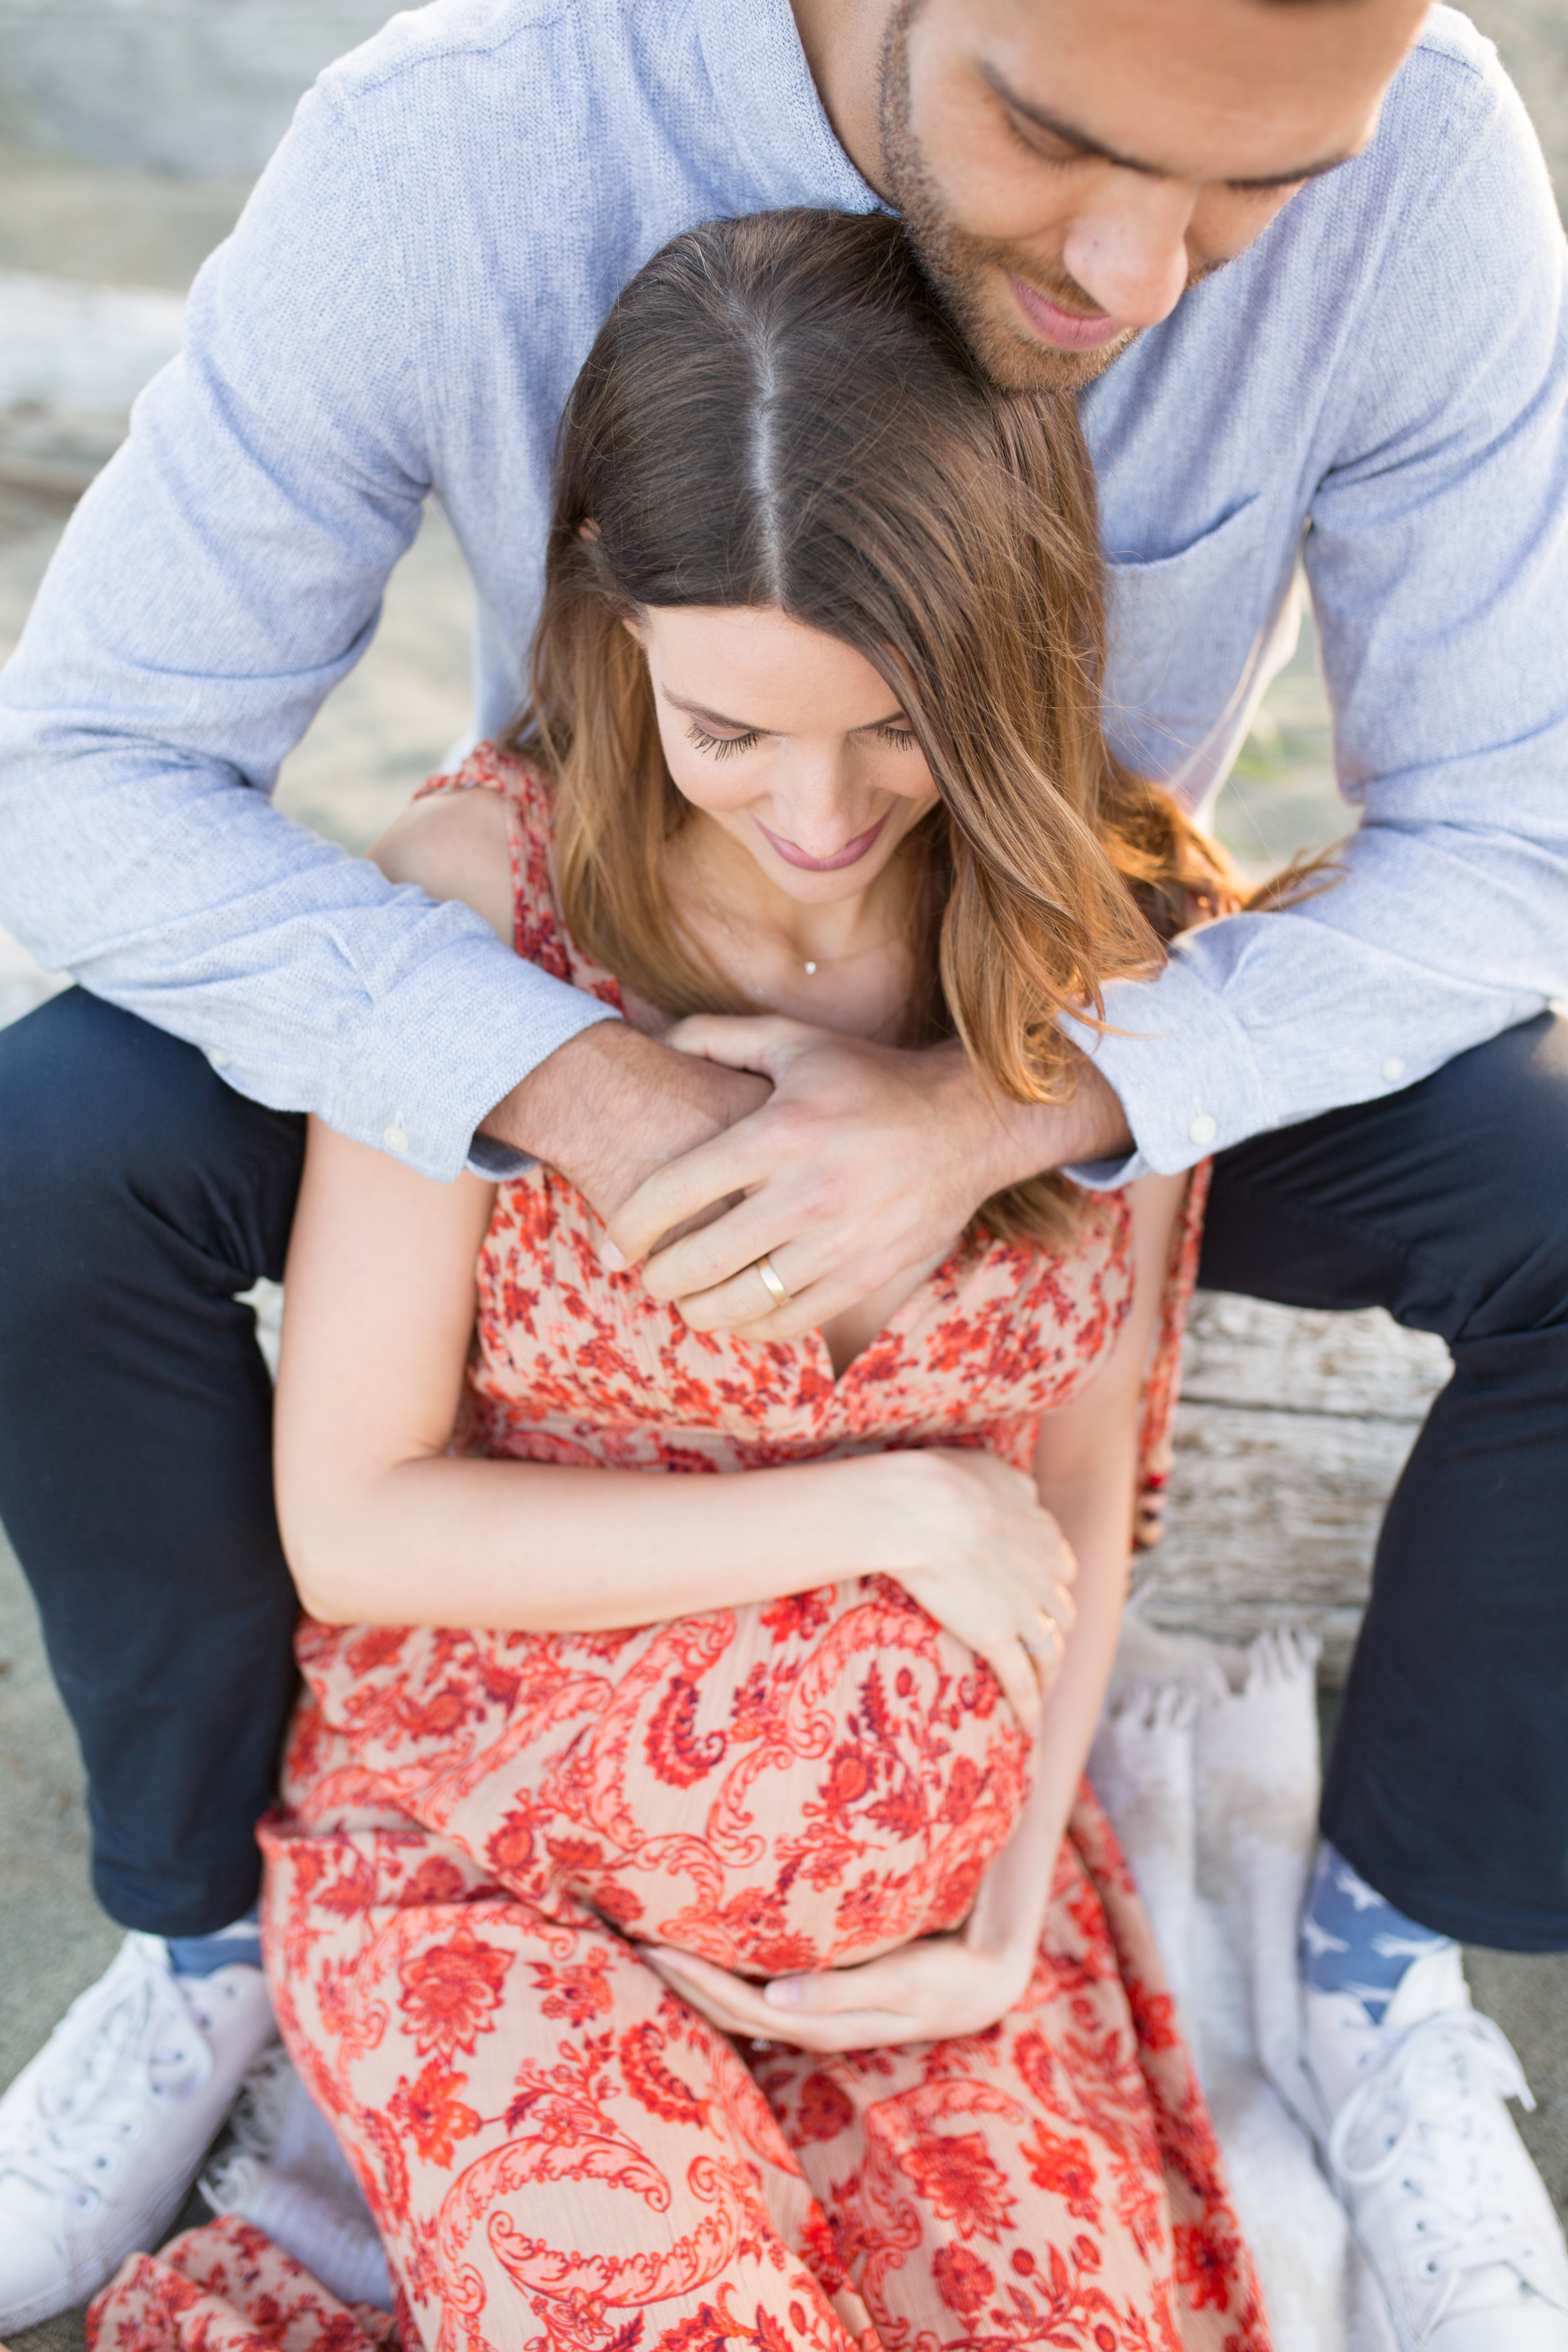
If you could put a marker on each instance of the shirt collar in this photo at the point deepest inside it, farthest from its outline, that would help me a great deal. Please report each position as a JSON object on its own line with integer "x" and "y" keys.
{"x": 777, "y": 121}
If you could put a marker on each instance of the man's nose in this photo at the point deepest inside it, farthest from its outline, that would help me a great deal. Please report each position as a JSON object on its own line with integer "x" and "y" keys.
{"x": 1129, "y": 249}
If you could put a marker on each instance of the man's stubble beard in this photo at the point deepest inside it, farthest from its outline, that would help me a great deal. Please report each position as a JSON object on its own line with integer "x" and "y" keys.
{"x": 960, "y": 266}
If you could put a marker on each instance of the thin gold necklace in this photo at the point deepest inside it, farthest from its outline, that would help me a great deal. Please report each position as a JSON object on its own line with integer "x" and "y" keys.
{"x": 810, "y": 965}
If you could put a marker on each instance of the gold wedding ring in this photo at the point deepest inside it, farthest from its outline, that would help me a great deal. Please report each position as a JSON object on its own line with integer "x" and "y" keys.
{"x": 1055, "y": 1641}
{"x": 771, "y": 1281}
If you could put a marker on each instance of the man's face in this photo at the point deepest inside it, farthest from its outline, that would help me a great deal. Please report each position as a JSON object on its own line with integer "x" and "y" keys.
{"x": 1068, "y": 168}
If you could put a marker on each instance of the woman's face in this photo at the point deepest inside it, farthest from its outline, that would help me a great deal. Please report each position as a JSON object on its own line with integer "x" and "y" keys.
{"x": 787, "y": 740}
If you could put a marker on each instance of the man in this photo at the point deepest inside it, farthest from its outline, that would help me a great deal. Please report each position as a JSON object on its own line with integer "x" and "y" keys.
{"x": 1308, "y": 278}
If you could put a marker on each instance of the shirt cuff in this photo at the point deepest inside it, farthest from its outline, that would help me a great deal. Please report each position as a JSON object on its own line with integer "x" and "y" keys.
{"x": 1183, "y": 1068}
{"x": 441, "y": 1048}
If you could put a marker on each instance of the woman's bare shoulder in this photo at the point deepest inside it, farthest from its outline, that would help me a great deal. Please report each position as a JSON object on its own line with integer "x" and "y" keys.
{"x": 454, "y": 845}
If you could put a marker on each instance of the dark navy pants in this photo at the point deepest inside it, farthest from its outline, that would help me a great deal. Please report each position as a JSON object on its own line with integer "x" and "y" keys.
{"x": 138, "y": 1194}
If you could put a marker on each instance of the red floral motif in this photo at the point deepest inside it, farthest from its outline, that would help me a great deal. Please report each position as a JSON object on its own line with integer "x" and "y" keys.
{"x": 436, "y": 1880}
{"x": 962, "y": 2279}
{"x": 451, "y": 1990}
{"x": 1066, "y": 2167}
{"x": 962, "y": 2182}
{"x": 577, "y": 1994}
{"x": 678, "y": 1757}
{"x": 1206, "y": 2263}
{"x": 783, "y": 1787}
{"x": 798, "y": 1612}
{"x": 652, "y": 2083}
{"x": 822, "y": 2110}
{"x": 432, "y": 2115}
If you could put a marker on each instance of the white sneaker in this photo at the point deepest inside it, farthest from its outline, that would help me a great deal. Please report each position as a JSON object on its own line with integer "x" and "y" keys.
{"x": 1449, "y": 2209}
{"x": 101, "y": 2137}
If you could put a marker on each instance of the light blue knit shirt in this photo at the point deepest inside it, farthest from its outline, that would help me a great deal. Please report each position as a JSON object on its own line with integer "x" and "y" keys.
{"x": 1378, "y": 383}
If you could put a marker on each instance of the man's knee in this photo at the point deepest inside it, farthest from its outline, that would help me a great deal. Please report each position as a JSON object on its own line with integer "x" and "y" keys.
{"x": 111, "y": 1127}
{"x": 1444, "y": 1203}
{"x": 1496, "y": 1119}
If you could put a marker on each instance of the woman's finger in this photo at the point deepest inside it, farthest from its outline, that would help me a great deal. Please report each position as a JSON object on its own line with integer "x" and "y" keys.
{"x": 739, "y": 1041}
{"x": 881, "y": 1985}
{"x": 730, "y": 2002}
{"x": 735, "y": 1161}
{"x": 736, "y": 2006}
{"x": 1015, "y": 1670}
{"x": 693, "y": 1271}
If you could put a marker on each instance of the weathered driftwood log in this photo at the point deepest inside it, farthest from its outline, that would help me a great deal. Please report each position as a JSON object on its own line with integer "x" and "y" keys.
{"x": 1292, "y": 1430}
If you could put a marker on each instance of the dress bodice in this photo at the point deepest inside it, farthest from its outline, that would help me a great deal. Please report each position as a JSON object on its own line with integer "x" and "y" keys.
{"x": 574, "y": 1363}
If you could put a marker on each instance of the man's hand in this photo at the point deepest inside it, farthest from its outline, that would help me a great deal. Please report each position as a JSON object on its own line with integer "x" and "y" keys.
{"x": 862, "y": 1161}
{"x": 611, "y": 1106}
{"x": 931, "y": 1991}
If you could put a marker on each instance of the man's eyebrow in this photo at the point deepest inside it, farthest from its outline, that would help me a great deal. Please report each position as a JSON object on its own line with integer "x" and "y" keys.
{"x": 1073, "y": 137}
{"x": 745, "y": 726}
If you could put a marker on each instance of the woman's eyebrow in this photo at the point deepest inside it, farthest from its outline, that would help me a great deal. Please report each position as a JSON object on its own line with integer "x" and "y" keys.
{"x": 713, "y": 717}
{"x": 745, "y": 726}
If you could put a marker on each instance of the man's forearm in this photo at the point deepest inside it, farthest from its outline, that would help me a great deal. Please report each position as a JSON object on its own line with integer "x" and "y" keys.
{"x": 611, "y": 1106}
{"x": 1033, "y": 1138}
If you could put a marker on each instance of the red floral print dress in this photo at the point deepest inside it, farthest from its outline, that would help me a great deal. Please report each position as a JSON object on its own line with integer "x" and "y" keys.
{"x": 477, "y": 1829}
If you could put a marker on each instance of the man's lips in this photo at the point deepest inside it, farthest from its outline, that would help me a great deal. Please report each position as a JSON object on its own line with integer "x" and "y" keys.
{"x": 848, "y": 855}
{"x": 1069, "y": 330}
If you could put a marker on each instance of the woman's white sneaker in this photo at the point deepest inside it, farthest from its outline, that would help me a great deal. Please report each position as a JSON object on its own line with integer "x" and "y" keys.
{"x": 102, "y": 2135}
{"x": 1448, "y": 2207}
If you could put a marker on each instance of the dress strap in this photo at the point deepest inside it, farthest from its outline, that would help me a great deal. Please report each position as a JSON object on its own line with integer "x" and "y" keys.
{"x": 1157, "y": 1414}
{"x": 539, "y": 929}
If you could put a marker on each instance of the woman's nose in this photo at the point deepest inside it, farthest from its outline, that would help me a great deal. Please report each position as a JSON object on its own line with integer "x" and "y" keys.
{"x": 818, "y": 806}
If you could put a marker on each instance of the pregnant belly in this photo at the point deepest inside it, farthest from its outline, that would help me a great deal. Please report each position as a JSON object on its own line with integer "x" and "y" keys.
{"x": 786, "y": 1786}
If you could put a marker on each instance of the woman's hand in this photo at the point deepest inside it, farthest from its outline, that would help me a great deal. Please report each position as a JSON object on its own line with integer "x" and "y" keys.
{"x": 930, "y": 1990}
{"x": 969, "y": 1539}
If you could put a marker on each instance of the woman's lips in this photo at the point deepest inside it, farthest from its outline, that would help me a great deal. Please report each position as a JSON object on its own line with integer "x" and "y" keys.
{"x": 848, "y": 855}
{"x": 1069, "y": 330}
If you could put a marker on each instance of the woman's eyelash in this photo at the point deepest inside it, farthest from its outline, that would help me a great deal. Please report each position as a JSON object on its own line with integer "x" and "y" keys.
{"x": 721, "y": 746}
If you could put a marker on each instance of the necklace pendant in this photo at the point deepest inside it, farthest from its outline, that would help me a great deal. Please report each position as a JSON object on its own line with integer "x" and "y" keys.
{"x": 810, "y": 968}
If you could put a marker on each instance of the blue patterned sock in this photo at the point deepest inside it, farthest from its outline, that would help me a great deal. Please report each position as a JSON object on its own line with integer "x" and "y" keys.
{"x": 202, "y": 1956}
{"x": 1352, "y": 1941}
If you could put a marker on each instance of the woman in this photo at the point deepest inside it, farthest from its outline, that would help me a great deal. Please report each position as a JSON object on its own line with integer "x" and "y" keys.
{"x": 813, "y": 732}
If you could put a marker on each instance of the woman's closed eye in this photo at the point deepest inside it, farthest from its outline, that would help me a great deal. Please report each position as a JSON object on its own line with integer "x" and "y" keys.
{"x": 721, "y": 747}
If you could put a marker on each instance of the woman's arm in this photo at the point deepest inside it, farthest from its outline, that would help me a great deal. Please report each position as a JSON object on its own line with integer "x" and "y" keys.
{"x": 1086, "y": 1465}
{"x": 381, "y": 1526}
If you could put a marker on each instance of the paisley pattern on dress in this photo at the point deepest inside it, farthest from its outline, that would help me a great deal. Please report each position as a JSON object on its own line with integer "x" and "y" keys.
{"x": 477, "y": 1830}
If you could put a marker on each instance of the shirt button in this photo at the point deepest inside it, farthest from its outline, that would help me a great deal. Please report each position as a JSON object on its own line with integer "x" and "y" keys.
{"x": 395, "y": 1139}
{"x": 1202, "y": 1130}
{"x": 218, "y": 1058}
{"x": 1393, "y": 1068}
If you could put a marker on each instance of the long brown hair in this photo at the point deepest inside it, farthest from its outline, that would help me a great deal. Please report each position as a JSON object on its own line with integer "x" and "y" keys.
{"x": 776, "y": 413}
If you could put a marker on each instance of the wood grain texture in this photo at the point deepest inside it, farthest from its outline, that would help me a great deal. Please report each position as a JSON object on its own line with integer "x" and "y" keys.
{"x": 1292, "y": 1431}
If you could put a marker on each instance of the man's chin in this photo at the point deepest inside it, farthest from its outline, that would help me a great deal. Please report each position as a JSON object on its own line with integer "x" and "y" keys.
{"x": 978, "y": 301}
{"x": 1020, "y": 362}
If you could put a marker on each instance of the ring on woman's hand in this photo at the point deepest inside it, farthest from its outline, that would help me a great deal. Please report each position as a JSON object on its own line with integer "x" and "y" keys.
{"x": 771, "y": 1283}
{"x": 1054, "y": 1641}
